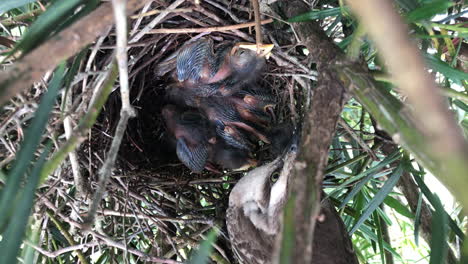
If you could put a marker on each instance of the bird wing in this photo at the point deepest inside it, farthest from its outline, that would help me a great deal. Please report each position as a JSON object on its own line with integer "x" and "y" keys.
{"x": 193, "y": 157}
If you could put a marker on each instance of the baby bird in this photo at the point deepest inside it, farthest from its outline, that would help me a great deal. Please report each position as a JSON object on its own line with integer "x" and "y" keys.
{"x": 254, "y": 105}
{"x": 231, "y": 158}
{"x": 191, "y": 133}
{"x": 199, "y": 69}
{"x": 197, "y": 147}
{"x": 222, "y": 113}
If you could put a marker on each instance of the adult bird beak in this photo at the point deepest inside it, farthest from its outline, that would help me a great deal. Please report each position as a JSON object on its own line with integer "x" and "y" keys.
{"x": 263, "y": 50}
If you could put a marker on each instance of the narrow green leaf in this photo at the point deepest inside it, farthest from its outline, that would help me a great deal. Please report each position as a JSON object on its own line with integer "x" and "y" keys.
{"x": 408, "y": 5}
{"x": 432, "y": 199}
{"x": 379, "y": 197}
{"x": 317, "y": 14}
{"x": 428, "y": 10}
{"x": 29, "y": 146}
{"x": 366, "y": 233}
{"x": 45, "y": 24}
{"x": 438, "y": 241}
{"x": 445, "y": 69}
{"x": 398, "y": 207}
{"x": 389, "y": 159}
{"x": 289, "y": 234}
{"x": 417, "y": 219}
{"x": 13, "y": 237}
{"x": 427, "y": 36}
{"x": 29, "y": 252}
{"x": 356, "y": 189}
{"x": 452, "y": 17}
{"x": 6, "y": 5}
{"x": 464, "y": 253}
{"x": 380, "y": 239}
{"x": 88, "y": 6}
{"x": 204, "y": 251}
{"x": 461, "y": 105}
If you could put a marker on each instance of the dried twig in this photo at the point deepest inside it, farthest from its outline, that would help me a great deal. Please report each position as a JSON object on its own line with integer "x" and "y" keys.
{"x": 68, "y": 237}
{"x": 19, "y": 19}
{"x": 258, "y": 28}
{"x": 68, "y": 42}
{"x": 154, "y": 22}
{"x": 154, "y": 12}
{"x": 80, "y": 182}
{"x": 206, "y": 29}
{"x": 126, "y": 111}
{"x": 358, "y": 139}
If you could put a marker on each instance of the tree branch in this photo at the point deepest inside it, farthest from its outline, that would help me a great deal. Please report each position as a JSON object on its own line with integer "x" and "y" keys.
{"x": 65, "y": 44}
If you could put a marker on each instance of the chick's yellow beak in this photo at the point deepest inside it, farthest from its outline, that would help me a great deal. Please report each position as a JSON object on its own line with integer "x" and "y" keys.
{"x": 263, "y": 50}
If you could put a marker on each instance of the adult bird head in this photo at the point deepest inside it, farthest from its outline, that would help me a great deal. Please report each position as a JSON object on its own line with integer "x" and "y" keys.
{"x": 255, "y": 207}
{"x": 255, "y": 211}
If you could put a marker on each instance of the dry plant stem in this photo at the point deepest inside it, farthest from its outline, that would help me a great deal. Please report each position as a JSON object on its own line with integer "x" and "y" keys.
{"x": 358, "y": 139}
{"x": 137, "y": 22}
{"x": 155, "y": 21}
{"x": 226, "y": 10}
{"x": 125, "y": 113}
{"x": 80, "y": 182}
{"x": 62, "y": 250}
{"x": 108, "y": 241}
{"x": 34, "y": 65}
{"x": 67, "y": 236}
{"x": 80, "y": 132}
{"x": 441, "y": 136}
{"x": 107, "y": 212}
{"x": 206, "y": 29}
{"x": 258, "y": 28}
{"x": 19, "y": 19}
{"x": 154, "y": 12}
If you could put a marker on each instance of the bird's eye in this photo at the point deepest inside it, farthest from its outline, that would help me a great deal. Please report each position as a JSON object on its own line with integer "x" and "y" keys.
{"x": 274, "y": 177}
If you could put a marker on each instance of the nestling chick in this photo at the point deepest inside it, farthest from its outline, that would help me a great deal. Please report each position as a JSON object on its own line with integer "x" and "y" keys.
{"x": 191, "y": 132}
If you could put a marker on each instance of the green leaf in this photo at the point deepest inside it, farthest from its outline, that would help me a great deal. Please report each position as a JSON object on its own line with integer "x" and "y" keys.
{"x": 289, "y": 234}
{"x": 461, "y": 105}
{"x": 13, "y": 237}
{"x": 46, "y": 24}
{"x": 204, "y": 251}
{"x": 379, "y": 197}
{"x": 438, "y": 241}
{"x": 427, "y": 11}
{"x": 417, "y": 219}
{"x": 464, "y": 253}
{"x": 397, "y": 206}
{"x": 433, "y": 200}
{"x": 408, "y": 5}
{"x": 6, "y": 5}
{"x": 445, "y": 69}
{"x": 389, "y": 159}
{"x": 29, "y": 147}
{"x": 380, "y": 239}
{"x": 317, "y": 14}
{"x": 366, "y": 232}
{"x": 356, "y": 189}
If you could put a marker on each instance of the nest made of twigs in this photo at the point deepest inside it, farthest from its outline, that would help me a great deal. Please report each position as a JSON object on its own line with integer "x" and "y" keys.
{"x": 157, "y": 197}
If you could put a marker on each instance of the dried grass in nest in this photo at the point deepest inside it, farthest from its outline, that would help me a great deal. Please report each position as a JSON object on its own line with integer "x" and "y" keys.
{"x": 151, "y": 196}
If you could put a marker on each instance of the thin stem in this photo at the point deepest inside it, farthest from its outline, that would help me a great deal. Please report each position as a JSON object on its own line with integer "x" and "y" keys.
{"x": 206, "y": 29}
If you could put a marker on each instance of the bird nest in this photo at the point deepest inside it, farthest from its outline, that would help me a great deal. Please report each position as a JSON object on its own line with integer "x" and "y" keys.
{"x": 153, "y": 202}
